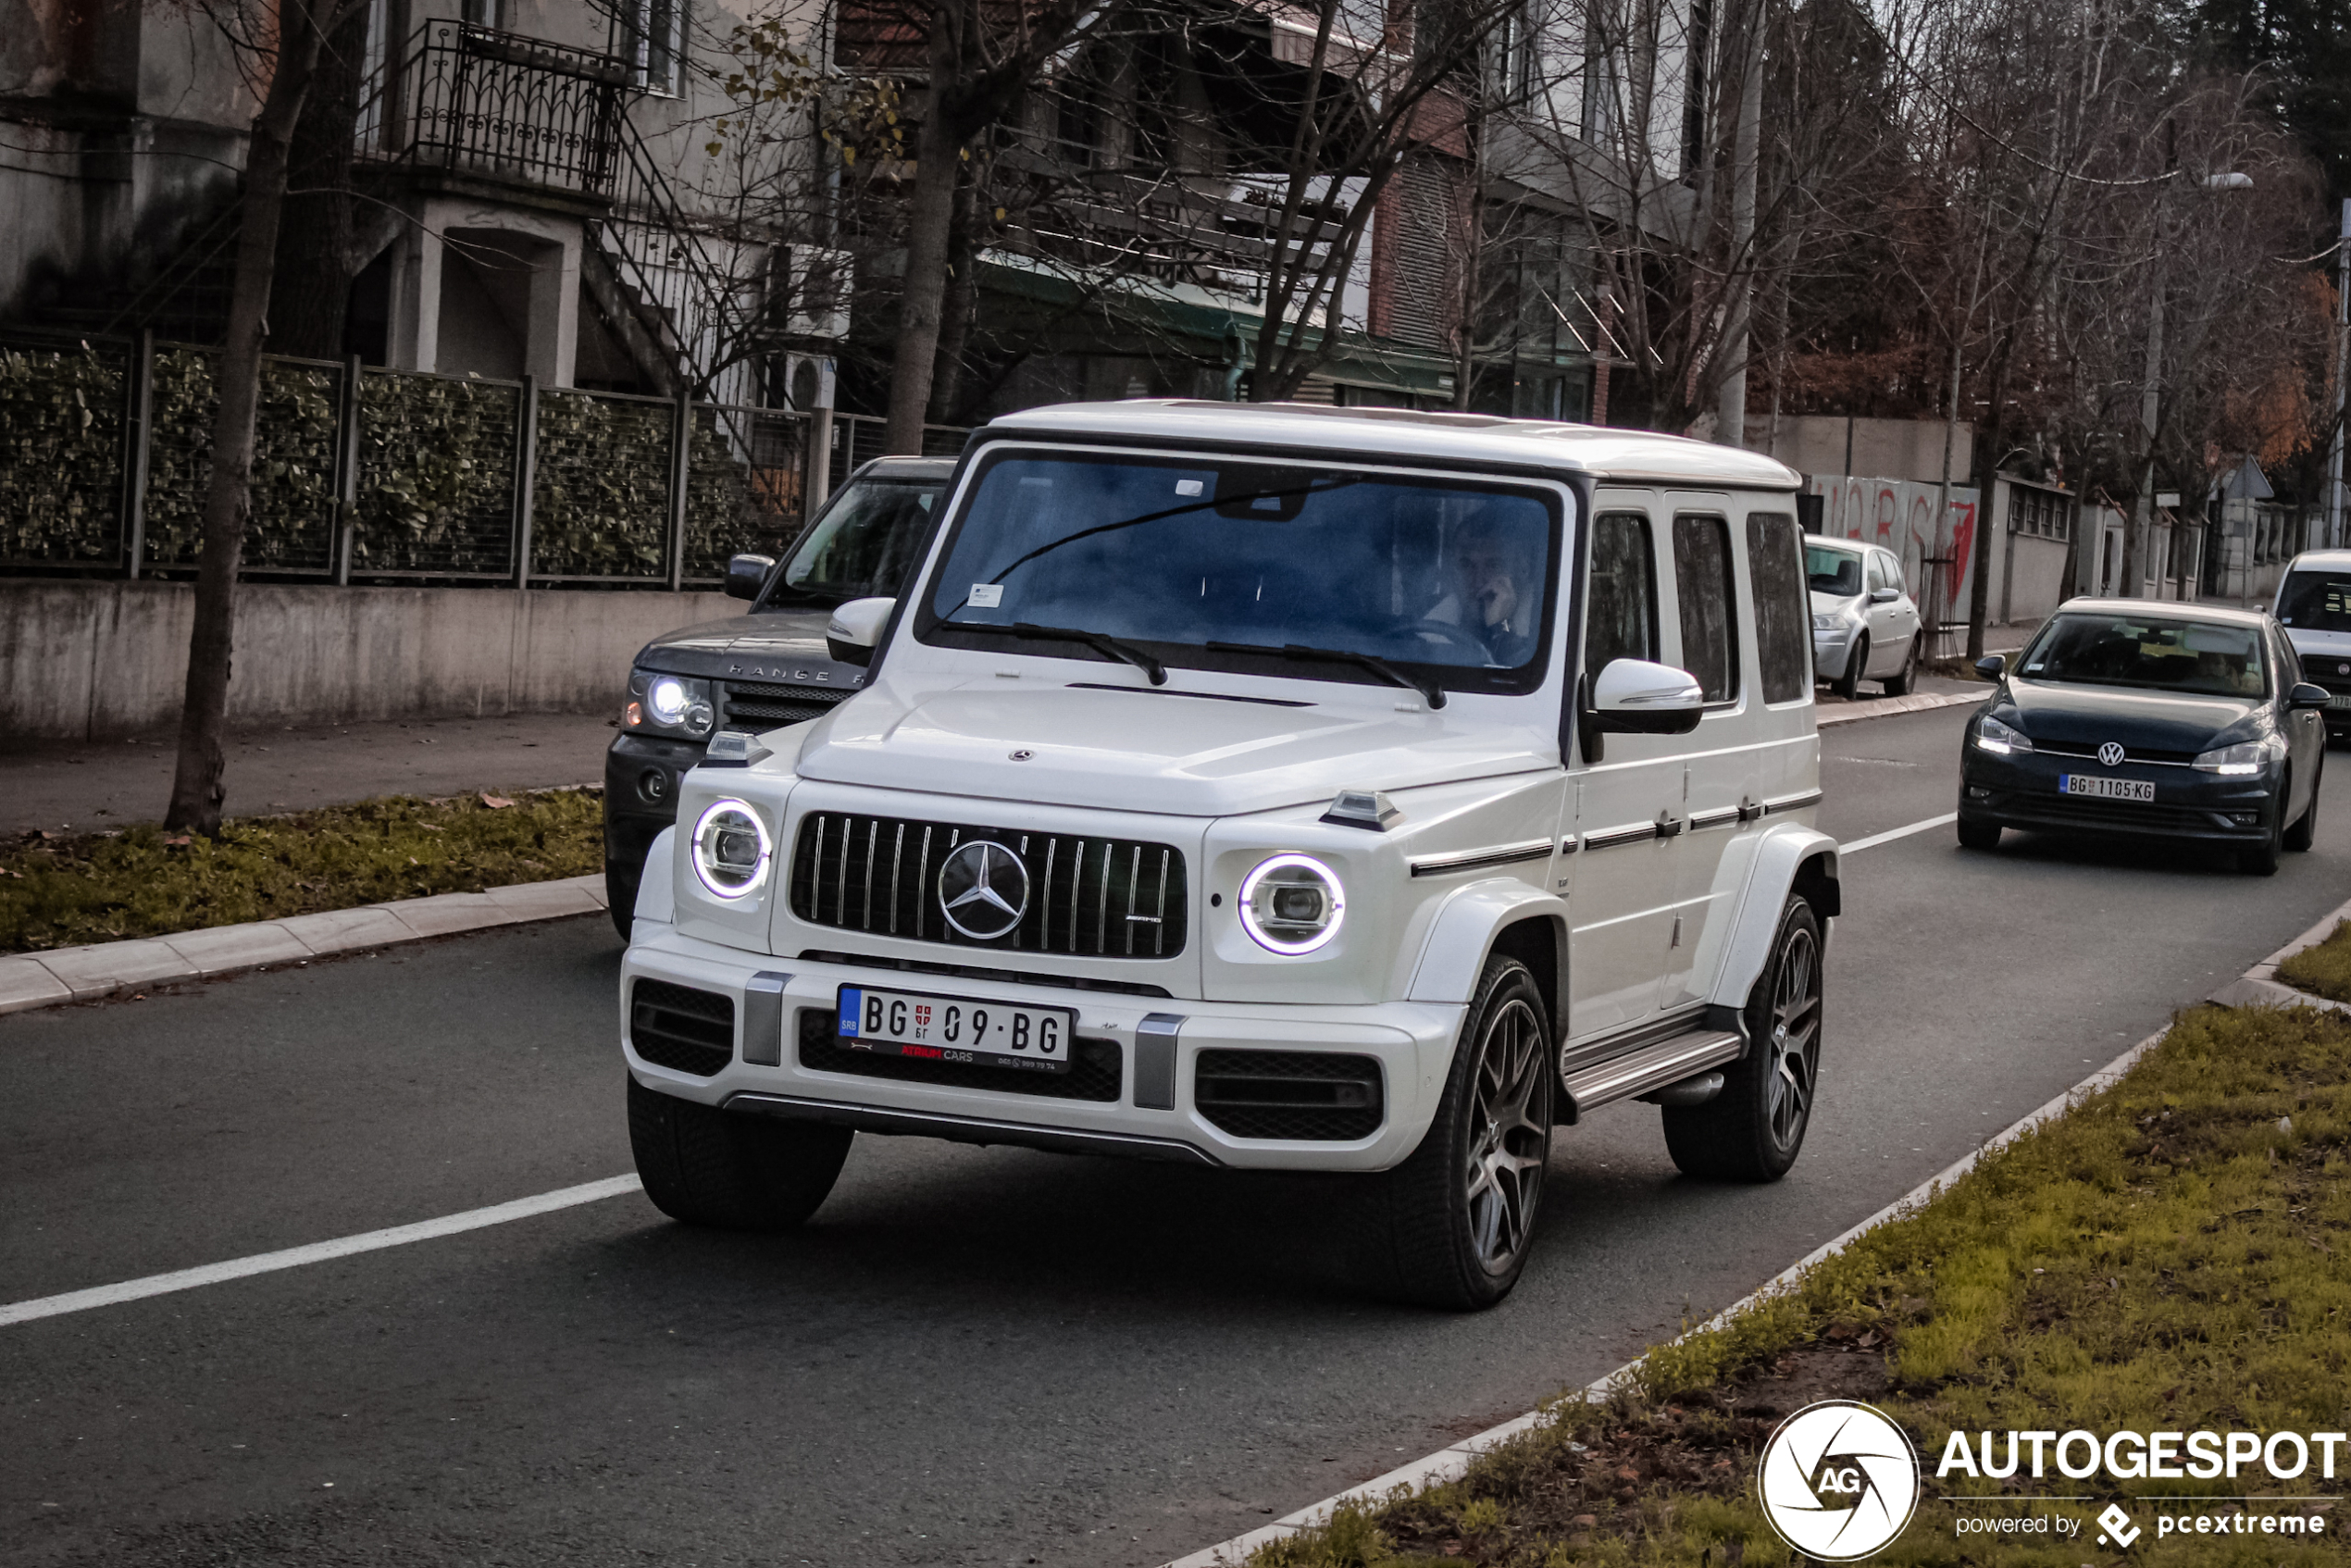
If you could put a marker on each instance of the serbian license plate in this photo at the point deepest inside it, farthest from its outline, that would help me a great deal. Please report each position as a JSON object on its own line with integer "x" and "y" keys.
{"x": 956, "y": 1028}
{"x": 2105, "y": 788}
{"x": 2340, "y": 699}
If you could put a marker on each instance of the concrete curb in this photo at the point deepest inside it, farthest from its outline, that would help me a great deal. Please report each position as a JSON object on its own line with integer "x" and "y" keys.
{"x": 2255, "y": 988}
{"x": 1883, "y": 707}
{"x": 83, "y": 974}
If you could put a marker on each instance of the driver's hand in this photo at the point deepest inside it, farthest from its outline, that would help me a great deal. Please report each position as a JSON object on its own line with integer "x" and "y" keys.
{"x": 1495, "y": 599}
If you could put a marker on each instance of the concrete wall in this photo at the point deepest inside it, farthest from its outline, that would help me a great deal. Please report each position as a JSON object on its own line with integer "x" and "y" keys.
{"x": 89, "y": 660}
{"x": 1893, "y": 449}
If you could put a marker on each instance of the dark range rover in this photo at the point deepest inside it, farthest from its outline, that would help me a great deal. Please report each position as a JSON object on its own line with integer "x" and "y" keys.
{"x": 760, "y": 669}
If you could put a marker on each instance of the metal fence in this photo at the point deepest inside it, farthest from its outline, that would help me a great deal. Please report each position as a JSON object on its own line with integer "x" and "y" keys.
{"x": 367, "y": 475}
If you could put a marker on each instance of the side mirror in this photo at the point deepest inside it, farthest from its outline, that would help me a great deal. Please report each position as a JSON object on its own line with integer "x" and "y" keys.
{"x": 1636, "y": 697}
{"x": 1884, "y": 595}
{"x": 745, "y": 573}
{"x": 2306, "y": 695}
{"x": 849, "y": 636}
{"x": 1992, "y": 665}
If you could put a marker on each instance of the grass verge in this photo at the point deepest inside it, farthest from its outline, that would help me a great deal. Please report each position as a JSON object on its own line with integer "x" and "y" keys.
{"x": 144, "y": 882}
{"x": 2174, "y": 1254}
{"x": 2324, "y": 969}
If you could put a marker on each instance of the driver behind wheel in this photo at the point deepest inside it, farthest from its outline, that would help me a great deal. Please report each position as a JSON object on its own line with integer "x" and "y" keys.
{"x": 1491, "y": 590}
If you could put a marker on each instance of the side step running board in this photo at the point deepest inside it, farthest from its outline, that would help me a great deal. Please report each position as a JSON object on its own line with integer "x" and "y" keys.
{"x": 1651, "y": 1068}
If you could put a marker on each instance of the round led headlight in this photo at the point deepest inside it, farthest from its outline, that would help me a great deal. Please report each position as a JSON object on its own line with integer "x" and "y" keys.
{"x": 1292, "y": 903}
{"x": 667, "y": 697}
{"x": 731, "y": 849}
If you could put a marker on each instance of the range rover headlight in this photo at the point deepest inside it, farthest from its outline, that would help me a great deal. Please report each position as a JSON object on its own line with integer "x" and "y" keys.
{"x": 672, "y": 702}
{"x": 731, "y": 849}
{"x": 1292, "y": 903}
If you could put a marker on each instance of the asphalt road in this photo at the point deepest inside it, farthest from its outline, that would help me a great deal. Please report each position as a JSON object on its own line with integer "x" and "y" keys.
{"x": 971, "y": 1356}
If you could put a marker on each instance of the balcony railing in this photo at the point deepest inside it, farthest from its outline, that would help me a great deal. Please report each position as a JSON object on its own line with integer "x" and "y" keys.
{"x": 477, "y": 101}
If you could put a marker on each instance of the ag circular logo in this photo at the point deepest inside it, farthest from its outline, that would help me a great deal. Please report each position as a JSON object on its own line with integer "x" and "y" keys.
{"x": 983, "y": 890}
{"x": 1838, "y": 1481}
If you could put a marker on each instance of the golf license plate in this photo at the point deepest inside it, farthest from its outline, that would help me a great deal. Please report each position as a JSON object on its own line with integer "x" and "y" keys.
{"x": 956, "y": 1028}
{"x": 2105, "y": 788}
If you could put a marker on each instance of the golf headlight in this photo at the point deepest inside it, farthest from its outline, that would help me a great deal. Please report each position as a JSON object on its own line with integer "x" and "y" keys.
{"x": 730, "y": 849}
{"x": 1292, "y": 903}
{"x": 673, "y": 702}
{"x": 2241, "y": 761}
{"x": 1999, "y": 740}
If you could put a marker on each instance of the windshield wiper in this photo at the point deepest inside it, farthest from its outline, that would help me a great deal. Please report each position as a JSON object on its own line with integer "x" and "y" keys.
{"x": 1427, "y": 687}
{"x": 1094, "y": 640}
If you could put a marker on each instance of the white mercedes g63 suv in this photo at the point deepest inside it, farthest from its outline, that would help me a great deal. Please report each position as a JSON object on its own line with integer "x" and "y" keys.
{"x": 1269, "y": 786}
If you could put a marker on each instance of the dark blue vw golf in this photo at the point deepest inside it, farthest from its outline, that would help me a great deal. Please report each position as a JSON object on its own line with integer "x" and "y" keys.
{"x": 2129, "y": 715}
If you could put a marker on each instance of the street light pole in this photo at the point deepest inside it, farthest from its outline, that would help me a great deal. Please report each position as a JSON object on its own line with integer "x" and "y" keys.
{"x": 2341, "y": 368}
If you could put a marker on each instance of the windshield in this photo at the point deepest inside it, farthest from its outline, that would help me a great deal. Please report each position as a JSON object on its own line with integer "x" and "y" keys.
{"x": 2199, "y": 657}
{"x": 1451, "y": 578}
{"x": 862, "y": 544}
{"x": 2316, "y": 601}
{"x": 1831, "y": 572}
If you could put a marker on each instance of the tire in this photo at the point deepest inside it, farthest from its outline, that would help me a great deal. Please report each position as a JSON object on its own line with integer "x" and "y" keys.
{"x": 2262, "y": 859}
{"x": 1848, "y": 685}
{"x": 2304, "y": 831}
{"x": 1898, "y": 684}
{"x": 620, "y": 895}
{"x": 1451, "y": 1227}
{"x": 1753, "y": 1130}
{"x": 1975, "y": 833}
{"x": 701, "y": 1165}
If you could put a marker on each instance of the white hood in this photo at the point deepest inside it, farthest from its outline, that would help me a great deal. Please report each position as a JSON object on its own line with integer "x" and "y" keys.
{"x": 1150, "y": 750}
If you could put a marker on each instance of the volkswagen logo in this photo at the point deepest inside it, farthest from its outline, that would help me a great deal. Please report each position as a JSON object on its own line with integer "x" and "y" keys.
{"x": 2111, "y": 753}
{"x": 983, "y": 890}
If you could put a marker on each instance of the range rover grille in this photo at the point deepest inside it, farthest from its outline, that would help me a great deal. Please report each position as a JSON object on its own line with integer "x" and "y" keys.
{"x": 1309, "y": 1095}
{"x": 771, "y": 706}
{"x": 1093, "y": 898}
{"x": 681, "y": 1028}
{"x": 1094, "y": 1066}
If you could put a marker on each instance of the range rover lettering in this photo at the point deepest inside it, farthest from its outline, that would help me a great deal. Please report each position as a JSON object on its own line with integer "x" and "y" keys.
{"x": 1270, "y": 787}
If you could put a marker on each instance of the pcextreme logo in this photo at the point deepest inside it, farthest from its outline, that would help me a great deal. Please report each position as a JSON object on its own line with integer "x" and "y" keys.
{"x": 1839, "y": 1480}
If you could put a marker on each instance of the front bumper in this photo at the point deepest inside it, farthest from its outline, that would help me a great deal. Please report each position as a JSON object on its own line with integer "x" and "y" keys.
{"x": 2022, "y": 791}
{"x": 1412, "y": 1043}
{"x": 641, "y": 777}
{"x": 1831, "y": 650}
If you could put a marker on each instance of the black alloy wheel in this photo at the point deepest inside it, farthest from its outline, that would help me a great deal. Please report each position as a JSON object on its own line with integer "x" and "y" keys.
{"x": 1898, "y": 684}
{"x": 1978, "y": 833}
{"x": 1451, "y": 1227}
{"x": 1754, "y": 1129}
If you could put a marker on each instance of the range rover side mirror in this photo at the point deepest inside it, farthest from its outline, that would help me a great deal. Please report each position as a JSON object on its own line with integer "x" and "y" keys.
{"x": 1992, "y": 665}
{"x": 849, "y": 636}
{"x": 745, "y": 573}
{"x": 2306, "y": 695}
{"x": 1884, "y": 595}
{"x": 1636, "y": 697}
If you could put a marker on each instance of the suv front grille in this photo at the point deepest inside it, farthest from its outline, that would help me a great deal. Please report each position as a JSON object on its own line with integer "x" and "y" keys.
{"x": 1305, "y": 1095}
{"x": 1095, "y": 1071}
{"x": 1092, "y": 898}
{"x": 679, "y": 1027}
{"x": 770, "y": 706}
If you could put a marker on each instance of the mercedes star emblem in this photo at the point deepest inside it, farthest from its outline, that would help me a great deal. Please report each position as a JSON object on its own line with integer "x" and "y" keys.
{"x": 983, "y": 890}
{"x": 2111, "y": 753}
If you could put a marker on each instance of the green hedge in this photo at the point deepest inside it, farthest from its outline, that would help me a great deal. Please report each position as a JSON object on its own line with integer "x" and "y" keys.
{"x": 60, "y": 441}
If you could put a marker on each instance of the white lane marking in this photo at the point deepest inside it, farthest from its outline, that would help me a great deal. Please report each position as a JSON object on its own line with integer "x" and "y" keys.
{"x": 317, "y": 1252}
{"x": 1874, "y": 839}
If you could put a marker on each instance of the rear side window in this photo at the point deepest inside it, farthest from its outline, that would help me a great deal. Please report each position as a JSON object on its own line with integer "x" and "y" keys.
{"x": 1621, "y": 619}
{"x": 1708, "y": 602}
{"x": 1783, "y": 608}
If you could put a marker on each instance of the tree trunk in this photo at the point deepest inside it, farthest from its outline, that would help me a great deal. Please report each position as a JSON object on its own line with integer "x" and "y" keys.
{"x": 1992, "y": 446}
{"x": 959, "y": 301}
{"x": 1730, "y": 398}
{"x": 930, "y": 214}
{"x": 196, "y": 790}
{"x": 318, "y": 249}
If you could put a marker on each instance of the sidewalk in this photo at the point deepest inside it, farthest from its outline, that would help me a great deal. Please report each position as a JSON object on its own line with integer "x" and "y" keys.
{"x": 80, "y": 787}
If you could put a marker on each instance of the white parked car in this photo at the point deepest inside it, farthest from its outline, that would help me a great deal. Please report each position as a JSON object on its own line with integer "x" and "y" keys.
{"x": 1865, "y": 624}
{"x": 2314, "y": 606}
{"x": 1270, "y": 786}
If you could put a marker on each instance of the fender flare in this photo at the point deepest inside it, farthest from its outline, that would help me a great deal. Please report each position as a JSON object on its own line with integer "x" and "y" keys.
{"x": 657, "y": 889}
{"x": 1463, "y": 934}
{"x": 1786, "y": 853}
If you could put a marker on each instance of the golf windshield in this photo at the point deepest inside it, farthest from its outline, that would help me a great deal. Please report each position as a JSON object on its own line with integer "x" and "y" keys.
{"x": 1217, "y": 563}
{"x": 2200, "y": 658}
{"x": 862, "y": 544}
{"x": 2316, "y": 601}
{"x": 1831, "y": 572}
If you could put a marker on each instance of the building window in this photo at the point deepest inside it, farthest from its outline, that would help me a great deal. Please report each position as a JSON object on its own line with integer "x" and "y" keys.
{"x": 486, "y": 13}
{"x": 657, "y": 44}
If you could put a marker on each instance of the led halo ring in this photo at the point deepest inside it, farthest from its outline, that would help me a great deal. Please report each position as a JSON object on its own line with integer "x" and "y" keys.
{"x": 701, "y": 837}
{"x": 1337, "y": 891}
